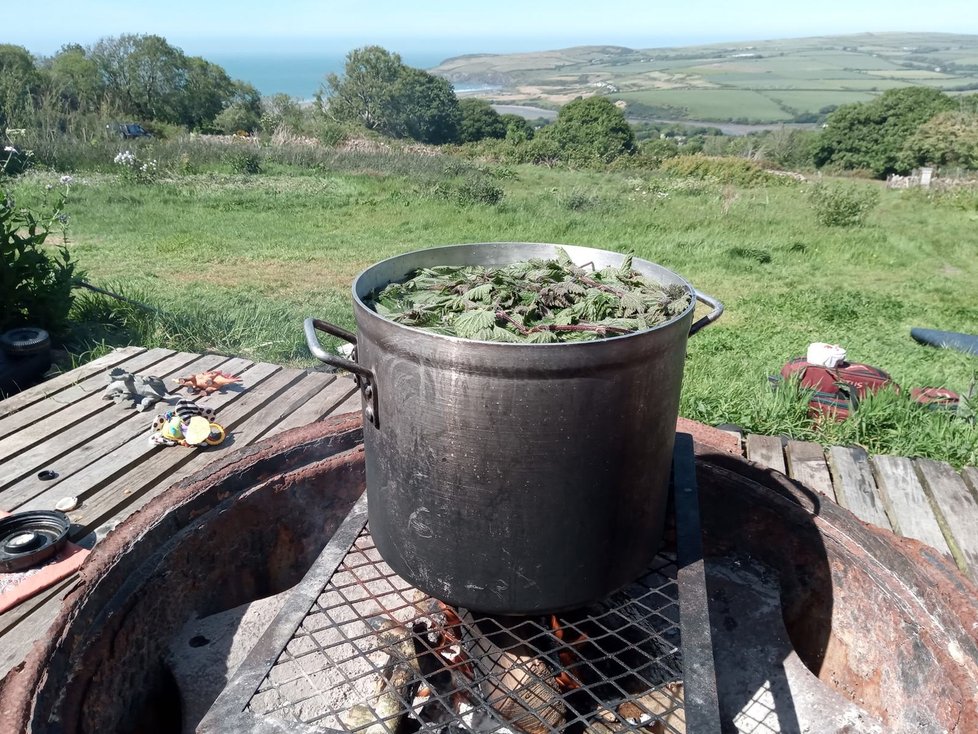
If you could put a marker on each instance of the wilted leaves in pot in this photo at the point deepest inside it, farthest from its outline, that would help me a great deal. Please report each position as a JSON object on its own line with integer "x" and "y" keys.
{"x": 533, "y": 301}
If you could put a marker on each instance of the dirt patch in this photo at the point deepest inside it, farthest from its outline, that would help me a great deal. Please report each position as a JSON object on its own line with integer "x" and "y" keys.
{"x": 272, "y": 277}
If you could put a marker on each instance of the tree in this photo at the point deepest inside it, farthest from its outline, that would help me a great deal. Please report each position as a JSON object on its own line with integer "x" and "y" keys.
{"x": 73, "y": 80}
{"x": 480, "y": 120}
{"x": 518, "y": 128}
{"x": 365, "y": 94}
{"x": 872, "y": 135}
{"x": 207, "y": 90}
{"x": 588, "y": 130}
{"x": 281, "y": 110}
{"x": 20, "y": 84}
{"x": 428, "y": 107}
{"x": 243, "y": 110}
{"x": 380, "y": 93}
{"x": 948, "y": 138}
{"x": 143, "y": 75}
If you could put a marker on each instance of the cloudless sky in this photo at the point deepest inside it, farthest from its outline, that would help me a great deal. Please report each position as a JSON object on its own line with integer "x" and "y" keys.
{"x": 201, "y": 27}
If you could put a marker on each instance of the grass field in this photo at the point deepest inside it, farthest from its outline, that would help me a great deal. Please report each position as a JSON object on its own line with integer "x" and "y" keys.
{"x": 713, "y": 104}
{"x": 245, "y": 258}
{"x": 732, "y": 72}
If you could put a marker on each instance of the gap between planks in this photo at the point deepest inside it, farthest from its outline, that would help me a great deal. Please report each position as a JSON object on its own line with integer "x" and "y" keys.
{"x": 66, "y": 379}
{"x": 109, "y": 430}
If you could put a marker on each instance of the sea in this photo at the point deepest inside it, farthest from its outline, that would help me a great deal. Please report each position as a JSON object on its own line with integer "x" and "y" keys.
{"x": 301, "y": 75}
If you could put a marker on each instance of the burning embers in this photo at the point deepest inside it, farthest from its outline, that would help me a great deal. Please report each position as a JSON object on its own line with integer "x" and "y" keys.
{"x": 375, "y": 656}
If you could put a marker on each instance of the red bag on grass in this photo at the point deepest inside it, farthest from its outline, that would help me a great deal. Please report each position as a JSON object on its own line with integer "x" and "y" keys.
{"x": 837, "y": 390}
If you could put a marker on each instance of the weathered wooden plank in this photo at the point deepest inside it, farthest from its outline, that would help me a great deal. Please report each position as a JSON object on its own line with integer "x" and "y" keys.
{"x": 353, "y": 404}
{"x": 323, "y": 402}
{"x": 957, "y": 511}
{"x": 766, "y": 451}
{"x": 90, "y": 439}
{"x": 127, "y": 461}
{"x": 302, "y": 391}
{"x": 25, "y": 624}
{"x": 855, "y": 486}
{"x": 113, "y": 501}
{"x": 81, "y": 389}
{"x": 49, "y": 387}
{"x": 906, "y": 502}
{"x": 66, "y": 409}
{"x": 970, "y": 475}
{"x": 806, "y": 464}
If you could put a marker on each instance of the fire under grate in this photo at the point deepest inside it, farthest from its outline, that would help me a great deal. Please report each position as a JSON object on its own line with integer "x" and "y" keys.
{"x": 368, "y": 653}
{"x": 374, "y": 654}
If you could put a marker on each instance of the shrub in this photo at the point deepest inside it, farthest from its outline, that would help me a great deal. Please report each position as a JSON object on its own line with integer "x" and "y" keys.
{"x": 35, "y": 281}
{"x": 739, "y": 171}
{"x": 468, "y": 192}
{"x": 243, "y": 161}
{"x": 842, "y": 205}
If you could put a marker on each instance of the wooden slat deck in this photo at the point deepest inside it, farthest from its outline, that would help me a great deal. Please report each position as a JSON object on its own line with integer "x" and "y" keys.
{"x": 102, "y": 454}
{"x": 917, "y": 498}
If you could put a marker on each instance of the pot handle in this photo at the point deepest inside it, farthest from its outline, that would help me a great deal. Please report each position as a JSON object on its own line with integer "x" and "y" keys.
{"x": 710, "y": 317}
{"x": 364, "y": 377}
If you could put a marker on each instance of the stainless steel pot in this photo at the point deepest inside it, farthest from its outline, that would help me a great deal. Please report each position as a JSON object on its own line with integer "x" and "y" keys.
{"x": 515, "y": 478}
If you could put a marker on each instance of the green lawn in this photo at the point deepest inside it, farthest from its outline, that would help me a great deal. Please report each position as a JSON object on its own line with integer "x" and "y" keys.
{"x": 251, "y": 256}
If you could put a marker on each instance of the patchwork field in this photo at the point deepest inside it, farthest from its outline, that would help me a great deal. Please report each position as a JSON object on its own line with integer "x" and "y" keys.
{"x": 762, "y": 81}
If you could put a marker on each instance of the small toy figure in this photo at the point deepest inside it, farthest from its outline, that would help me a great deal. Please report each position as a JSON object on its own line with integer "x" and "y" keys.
{"x": 187, "y": 424}
{"x": 143, "y": 390}
{"x": 208, "y": 382}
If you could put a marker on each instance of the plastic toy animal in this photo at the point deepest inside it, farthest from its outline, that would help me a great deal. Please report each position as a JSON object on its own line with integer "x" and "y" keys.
{"x": 208, "y": 382}
{"x": 143, "y": 390}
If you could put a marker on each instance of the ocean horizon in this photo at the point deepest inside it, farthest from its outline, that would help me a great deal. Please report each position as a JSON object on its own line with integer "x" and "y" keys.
{"x": 301, "y": 75}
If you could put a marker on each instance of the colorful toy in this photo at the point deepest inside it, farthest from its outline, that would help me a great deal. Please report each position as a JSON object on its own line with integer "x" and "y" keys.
{"x": 208, "y": 382}
{"x": 188, "y": 424}
{"x": 143, "y": 390}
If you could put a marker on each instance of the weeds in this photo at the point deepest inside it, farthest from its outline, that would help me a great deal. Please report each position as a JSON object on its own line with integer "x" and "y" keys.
{"x": 838, "y": 205}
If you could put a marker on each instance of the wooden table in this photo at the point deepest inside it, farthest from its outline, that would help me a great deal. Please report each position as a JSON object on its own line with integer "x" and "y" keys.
{"x": 917, "y": 498}
{"x": 102, "y": 455}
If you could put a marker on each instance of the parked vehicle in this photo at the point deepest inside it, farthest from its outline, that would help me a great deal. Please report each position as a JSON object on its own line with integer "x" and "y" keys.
{"x": 128, "y": 130}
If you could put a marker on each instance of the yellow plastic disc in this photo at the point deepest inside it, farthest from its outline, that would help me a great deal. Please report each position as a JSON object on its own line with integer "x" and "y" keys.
{"x": 216, "y": 435}
{"x": 198, "y": 431}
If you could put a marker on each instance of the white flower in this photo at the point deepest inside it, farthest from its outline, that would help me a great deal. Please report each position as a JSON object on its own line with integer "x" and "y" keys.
{"x": 9, "y": 149}
{"x": 66, "y": 180}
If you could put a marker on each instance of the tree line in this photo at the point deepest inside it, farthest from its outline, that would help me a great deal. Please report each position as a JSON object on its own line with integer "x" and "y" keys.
{"x": 144, "y": 78}
{"x": 140, "y": 77}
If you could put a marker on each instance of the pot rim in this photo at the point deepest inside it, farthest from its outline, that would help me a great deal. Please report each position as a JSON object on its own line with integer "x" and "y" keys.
{"x": 362, "y": 305}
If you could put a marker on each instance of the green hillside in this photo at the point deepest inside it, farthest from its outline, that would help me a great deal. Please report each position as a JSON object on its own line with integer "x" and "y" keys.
{"x": 758, "y": 81}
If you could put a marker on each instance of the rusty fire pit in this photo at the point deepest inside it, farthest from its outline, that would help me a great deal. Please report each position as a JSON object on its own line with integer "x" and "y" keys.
{"x": 818, "y": 621}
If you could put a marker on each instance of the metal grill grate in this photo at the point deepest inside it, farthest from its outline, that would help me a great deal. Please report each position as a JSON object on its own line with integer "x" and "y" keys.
{"x": 376, "y": 656}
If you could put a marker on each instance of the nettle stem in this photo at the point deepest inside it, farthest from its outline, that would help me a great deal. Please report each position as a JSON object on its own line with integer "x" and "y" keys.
{"x": 596, "y": 328}
{"x": 509, "y": 319}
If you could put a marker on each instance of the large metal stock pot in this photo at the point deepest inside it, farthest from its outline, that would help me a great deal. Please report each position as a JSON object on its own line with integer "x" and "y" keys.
{"x": 515, "y": 478}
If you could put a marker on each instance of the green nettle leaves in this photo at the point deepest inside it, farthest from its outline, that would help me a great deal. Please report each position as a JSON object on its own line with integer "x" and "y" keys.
{"x": 533, "y": 301}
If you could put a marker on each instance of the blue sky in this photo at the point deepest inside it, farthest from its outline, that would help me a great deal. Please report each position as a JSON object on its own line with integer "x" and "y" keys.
{"x": 303, "y": 26}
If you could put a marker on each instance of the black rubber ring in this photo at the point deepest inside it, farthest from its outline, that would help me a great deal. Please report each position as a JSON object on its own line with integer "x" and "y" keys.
{"x": 47, "y": 475}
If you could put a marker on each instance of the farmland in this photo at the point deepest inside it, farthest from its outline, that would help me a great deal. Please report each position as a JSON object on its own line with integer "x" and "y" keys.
{"x": 762, "y": 81}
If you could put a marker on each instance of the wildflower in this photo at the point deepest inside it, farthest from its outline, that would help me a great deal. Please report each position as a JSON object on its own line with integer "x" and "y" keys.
{"x": 65, "y": 180}
{"x": 9, "y": 149}
{"x": 48, "y": 187}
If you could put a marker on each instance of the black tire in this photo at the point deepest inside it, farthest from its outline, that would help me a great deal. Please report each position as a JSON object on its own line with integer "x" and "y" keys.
{"x": 25, "y": 341}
